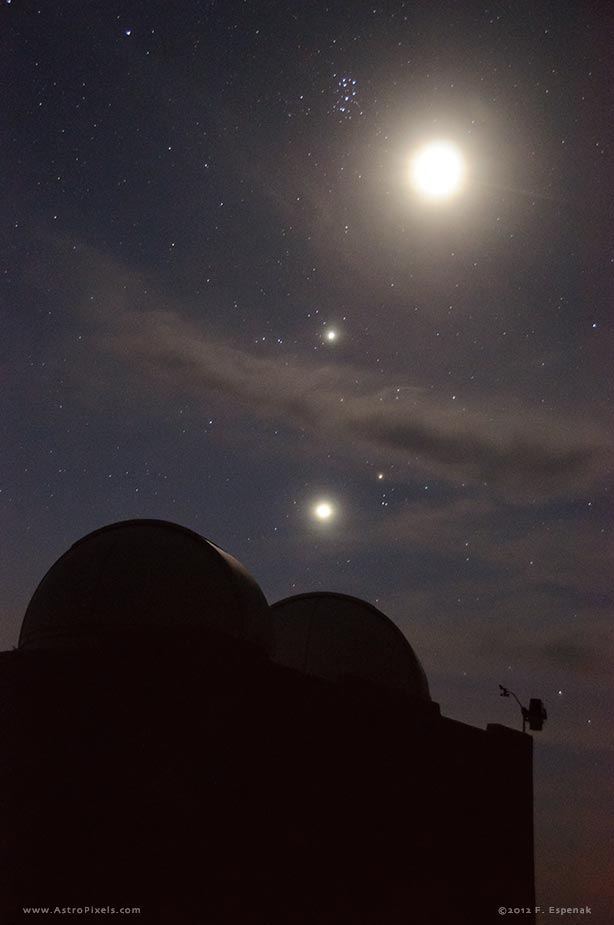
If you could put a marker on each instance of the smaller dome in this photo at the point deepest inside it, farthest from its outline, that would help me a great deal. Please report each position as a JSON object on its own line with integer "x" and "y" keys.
{"x": 335, "y": 636}
{"x": 143, "y": 575}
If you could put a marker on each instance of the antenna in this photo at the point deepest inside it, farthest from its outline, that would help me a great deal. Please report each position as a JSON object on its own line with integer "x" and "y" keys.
{"x": 535, "y": 715}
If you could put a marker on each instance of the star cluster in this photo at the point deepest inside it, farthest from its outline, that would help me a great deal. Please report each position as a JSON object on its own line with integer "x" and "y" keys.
{"x": 346, "y": 103}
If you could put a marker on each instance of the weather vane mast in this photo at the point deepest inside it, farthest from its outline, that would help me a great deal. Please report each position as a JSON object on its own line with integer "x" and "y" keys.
{"x": 535, "y": 715}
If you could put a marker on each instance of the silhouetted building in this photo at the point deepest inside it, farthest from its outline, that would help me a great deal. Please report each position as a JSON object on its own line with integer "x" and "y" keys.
{"x": 172, "y": 742}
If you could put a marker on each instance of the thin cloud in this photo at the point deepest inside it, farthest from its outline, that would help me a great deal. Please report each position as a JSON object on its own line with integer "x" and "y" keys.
{"x": 513, "y": 452}
{"x": 519, "y": 452}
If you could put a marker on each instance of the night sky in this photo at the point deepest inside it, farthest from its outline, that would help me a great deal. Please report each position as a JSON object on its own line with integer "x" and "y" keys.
{"x": 195, "y": 194}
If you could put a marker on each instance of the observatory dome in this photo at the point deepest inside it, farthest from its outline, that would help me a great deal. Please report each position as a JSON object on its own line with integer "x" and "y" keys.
{"x": 143, "y": 575}
{"x": 335, "y": 636}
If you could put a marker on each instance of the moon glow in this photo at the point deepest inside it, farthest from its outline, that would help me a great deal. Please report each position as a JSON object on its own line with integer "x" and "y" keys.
{"x": 323, "y": 510}
{"x": 437, "y": 170}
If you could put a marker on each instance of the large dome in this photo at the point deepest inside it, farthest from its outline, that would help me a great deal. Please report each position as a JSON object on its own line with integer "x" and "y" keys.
{"x": 335, "y": 636}
{"x": 140, "y": 575}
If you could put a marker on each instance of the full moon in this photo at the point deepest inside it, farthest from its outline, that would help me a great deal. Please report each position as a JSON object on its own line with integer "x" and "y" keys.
{"x": 323, "y": 510}
{"x": 330, "y": 335}
{"x": 437, "y": 170}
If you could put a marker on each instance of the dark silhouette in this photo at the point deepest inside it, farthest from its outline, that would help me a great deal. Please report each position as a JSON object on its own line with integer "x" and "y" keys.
{"x": 535, "y": 714}
{"x": 172, "y": 743}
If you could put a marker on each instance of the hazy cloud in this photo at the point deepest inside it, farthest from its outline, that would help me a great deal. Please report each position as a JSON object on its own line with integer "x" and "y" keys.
{"x": 517, "y": 452}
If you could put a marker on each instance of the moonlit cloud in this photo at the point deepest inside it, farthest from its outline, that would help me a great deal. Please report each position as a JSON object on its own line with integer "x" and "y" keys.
{"x": 520, "y": 452}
